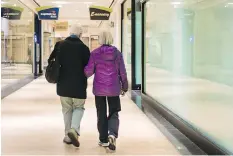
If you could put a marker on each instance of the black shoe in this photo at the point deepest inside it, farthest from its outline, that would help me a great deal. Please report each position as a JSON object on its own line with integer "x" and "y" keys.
{"x": 72, "y": 134}
{"x": 112, "y": 143}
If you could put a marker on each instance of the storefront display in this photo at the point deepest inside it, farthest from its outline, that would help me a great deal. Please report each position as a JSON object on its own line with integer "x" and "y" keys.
{"x": 187, "y": 67}
{"x": 126, "y": 37}
{"x": 138, "y": 44}
{"x": 47, "y": 47}
{"x": 17, "y": 42}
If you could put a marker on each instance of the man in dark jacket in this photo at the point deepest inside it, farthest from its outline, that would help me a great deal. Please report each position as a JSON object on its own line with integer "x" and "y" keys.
{"x": 73, "y": 56}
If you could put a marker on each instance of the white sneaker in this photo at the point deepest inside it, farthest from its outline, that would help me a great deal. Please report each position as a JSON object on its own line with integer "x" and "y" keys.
{"x": 67, "y": 140}
{"x": 112, "y": 142}
{"x": 103, "y": 144}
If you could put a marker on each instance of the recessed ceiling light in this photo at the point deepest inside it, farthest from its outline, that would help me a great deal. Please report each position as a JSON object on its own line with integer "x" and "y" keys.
{"x": 175, "y": 3}
{"x": 60, "y": 2}
{"x": 3, "y": 2}
{"x": 14, "y": 4}
{"x": 59, "y": 6}
{"x": 88, "y": 2}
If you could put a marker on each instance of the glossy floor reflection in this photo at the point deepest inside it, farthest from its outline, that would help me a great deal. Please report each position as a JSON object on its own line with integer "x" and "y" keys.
{"x": 12, "y": 73}
{"x": 32, "y": 124}
{"x": 204, "y": 104}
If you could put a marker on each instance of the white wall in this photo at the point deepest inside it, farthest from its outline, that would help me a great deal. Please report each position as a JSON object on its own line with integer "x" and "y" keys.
{"x": 30, "y": 4}
{"x": 117, "y": 25}
{"x": 90, "y": 31}
{"x": 116, "y": 18}
{"x": 48, "y": 26}
{"x": 5, "y": 26}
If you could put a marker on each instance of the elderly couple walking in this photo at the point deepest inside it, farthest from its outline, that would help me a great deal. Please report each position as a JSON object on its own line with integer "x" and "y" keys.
{"x": 110, "y": 81}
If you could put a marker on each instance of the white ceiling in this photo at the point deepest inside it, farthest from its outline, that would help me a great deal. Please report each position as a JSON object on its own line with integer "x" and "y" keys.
{"x": 197, "y": 4}
{"x": 75, "y": 11}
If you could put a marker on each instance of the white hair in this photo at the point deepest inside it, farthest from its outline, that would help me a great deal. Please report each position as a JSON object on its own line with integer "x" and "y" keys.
{"x": 105, "y": 37}
{"x": 76, "y": 30}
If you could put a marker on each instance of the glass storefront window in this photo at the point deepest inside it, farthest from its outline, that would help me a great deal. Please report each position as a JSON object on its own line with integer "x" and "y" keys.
{"x": 189, "y": 67}
{"x": 17, "y": 45}
{"x": 138, "y": 41}
{"x": 126, "y": 39}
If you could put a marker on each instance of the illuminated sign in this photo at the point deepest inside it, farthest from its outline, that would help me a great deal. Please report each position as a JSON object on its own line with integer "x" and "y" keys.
{"x": 99, "y": 13}
{"x": 48, "y": 13}
{"x": 11, "y": 13}
{"x": 61, "y": 26}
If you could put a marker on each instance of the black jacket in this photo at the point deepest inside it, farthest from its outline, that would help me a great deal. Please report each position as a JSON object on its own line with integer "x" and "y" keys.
{"x": 73, "y": 57}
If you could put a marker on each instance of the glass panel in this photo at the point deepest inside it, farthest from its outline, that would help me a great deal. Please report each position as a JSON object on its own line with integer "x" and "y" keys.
{"x": 127, "y": 38}
{"x": 17, "y": 45}
{"x": 47, "y": 44}
{"x": 138, "y": 44}
{"x": 188, "y": 52}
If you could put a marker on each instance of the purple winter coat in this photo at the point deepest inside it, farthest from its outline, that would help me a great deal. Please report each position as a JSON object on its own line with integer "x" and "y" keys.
{"x": 107, "y": 63}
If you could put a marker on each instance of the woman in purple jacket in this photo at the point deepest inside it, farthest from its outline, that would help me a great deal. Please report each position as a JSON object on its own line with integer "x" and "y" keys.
{"x": 110, "y": 82}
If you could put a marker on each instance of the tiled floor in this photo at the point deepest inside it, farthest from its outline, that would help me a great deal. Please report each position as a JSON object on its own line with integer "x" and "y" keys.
{"x": 206, "y": 105}
{"x": 32, "y": 124}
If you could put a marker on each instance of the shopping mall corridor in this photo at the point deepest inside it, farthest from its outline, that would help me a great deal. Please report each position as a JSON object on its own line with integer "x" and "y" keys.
{"x": 32, "y": 124}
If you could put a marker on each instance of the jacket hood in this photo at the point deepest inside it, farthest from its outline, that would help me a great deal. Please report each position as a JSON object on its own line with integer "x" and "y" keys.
{"x": 108, "y": 53}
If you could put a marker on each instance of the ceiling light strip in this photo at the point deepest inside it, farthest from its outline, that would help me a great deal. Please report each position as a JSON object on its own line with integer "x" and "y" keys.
{"x": 26, "y": 5}
{"x": 36, "y": 3}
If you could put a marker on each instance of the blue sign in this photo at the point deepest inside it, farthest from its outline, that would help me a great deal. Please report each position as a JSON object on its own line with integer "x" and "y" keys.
{"x": 48, "y": 13}
{"x": 11, "y": 13}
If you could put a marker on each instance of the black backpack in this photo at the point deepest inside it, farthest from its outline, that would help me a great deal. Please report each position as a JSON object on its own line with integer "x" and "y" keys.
{"x": 53, "y": 68}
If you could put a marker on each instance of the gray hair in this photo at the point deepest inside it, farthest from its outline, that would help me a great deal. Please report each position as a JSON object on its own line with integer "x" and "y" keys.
{"x": 76, "y": 30}
{"x": 105, "y": 37}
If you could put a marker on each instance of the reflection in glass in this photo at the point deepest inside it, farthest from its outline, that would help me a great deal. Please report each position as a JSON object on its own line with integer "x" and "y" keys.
{"x": 188, "y": 51}
{"x": 17, "y": 46}
{"x": 126, "y": 39}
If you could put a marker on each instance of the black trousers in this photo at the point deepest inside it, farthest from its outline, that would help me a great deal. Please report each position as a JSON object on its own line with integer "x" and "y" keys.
{"x": 107, "y": 125}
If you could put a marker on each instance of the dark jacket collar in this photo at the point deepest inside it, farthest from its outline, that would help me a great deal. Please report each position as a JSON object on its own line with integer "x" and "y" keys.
{"x": 73, "y": 39}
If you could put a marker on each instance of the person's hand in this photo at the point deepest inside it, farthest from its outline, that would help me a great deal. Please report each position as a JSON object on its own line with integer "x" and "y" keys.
{"x": 123, "y": 92}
